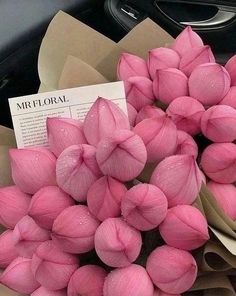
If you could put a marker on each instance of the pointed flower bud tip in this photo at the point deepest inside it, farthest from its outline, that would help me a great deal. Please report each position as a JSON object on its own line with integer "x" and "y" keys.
{"x": 130, "y": 65}
{"x": 64, "y": 132}
{"x": 103, "y": 118}
{"x": 187, "y": 40}
{"x": 162, "y": 58}
{"x": 116, "y": 243}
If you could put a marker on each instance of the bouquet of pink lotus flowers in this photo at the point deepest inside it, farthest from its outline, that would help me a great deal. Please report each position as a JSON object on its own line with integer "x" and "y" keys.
{"x": 109, "y": 208}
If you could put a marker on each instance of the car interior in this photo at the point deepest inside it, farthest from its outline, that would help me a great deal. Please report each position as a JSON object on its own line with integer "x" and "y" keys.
{"x": 23, "y": 24}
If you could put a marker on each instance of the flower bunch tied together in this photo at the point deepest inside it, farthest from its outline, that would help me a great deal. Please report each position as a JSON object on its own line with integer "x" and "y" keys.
{"x": 80, "y": 210}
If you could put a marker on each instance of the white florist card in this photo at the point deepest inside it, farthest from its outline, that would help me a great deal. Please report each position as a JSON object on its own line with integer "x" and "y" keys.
{"x": 29, "y": 113}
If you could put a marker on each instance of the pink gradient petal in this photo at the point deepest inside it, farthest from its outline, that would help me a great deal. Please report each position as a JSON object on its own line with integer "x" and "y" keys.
{"x": 159, "y": 135}
{"x": 14, "y": 205}
{"x": 47, "y": 204}
{"x": 103, "y": 118}
{"x": 33, "y": 168}
{"x": 209, "y": 83}
{"x": 179, "y": 178}
{"x": 130, "y": 65}
{"x": 187, "y": 40}
{"x": 18, "y": 276}
{"x": 74, "y": 229}
{"x": 77, "y": 170}
{"x": 170, "y": 84}
{"x": 122, "y": 156}
{"x": 186, "y": 113}
{"x": 64, "y": 132}
{"x": 139, "y": 92}
{"x": 116, "y": 243}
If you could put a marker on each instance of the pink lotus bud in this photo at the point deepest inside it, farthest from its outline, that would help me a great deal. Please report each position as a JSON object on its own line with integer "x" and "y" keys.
{"x": 104, "y": 198}
{"x": 47, "y": 204}
{"x": 7, "y": 251}
{"x": 132, "y": 113}
{"x": 131, "y": 65}
{"x": 179, "y": 178}
{"x": 231, "y": 68}
{"x": 170, "y": 84}
{"x": 230, "y": 98}
{"x": 139, "y": 92}
{"x": 45, "y": 292}
{"x": 219, "y": 162}
{"x": 103, "y": 118}
{"x": 74, "y": 229}
{"x": 186, "y": 144}
{"x": 149, "y": 112}
{"x": 194, "y": 57}
{"x": 14, "y": 205}
{"x": 132, "y": 280}
{"x": 172, "y": 270}
{"x": 144, "y": 207}
{"x": 88, "y": 280}
{"x": 64, "y": 132}
{"x": 18, "y": 276}
{"x": 33, "y": 168}
{"x": 53, "y": 268}
{"x": 122, "y": 155}
{"x": 209, "y": 83}
{"x": 162, "y": 58}
{"x": 117, "y": 244}
{"x": 190, "y": 226}
{"x": 161, "y": 293}
{"x": 77, "y": 170}
{"x": 159, "y": 136}
{"x": 27, "y": 236}
{"x": 225, "y": 195}
{"x": 187, "y": 40}
{"x": 186, "y": 113}
{"x": 219, "y": 123}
